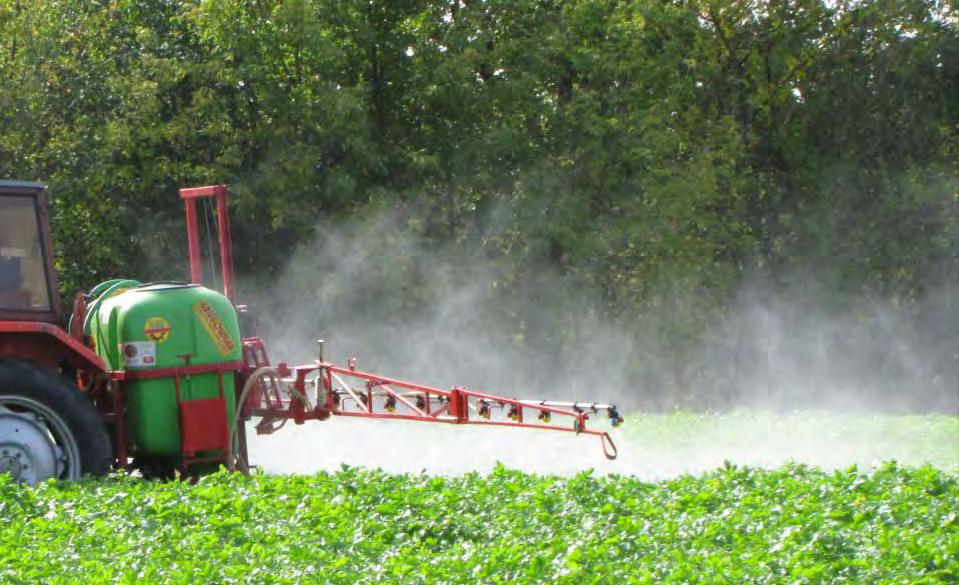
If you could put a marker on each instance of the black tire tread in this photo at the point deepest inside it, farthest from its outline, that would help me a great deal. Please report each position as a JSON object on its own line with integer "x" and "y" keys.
{"x": 31, "y": 380}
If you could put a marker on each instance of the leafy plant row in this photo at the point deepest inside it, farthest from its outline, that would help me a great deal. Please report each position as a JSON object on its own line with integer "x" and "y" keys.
{"x": 794, "y": 524}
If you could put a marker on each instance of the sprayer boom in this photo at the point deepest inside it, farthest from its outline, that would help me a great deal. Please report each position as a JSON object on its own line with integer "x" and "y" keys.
{"x": 323, "y": 389}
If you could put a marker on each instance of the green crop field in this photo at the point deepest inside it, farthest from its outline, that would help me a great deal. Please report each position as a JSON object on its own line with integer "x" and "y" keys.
{"x": 824, "y": 439}
{"x": 794, "y": 523}
{"x": 652, "y": 446}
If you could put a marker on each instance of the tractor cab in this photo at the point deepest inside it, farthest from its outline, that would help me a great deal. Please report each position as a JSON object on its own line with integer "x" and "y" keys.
{"x": 27, "y": 281}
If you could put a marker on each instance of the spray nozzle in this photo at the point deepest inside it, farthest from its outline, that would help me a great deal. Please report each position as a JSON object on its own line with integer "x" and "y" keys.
{"x": 390, "y": 404}
{"x": 420, "y": 402}
{"x": 544, "y": 415}
{"x": 513, "y": 412}
{"x": 614, "y": 417}
{"x": 484, "y": 410}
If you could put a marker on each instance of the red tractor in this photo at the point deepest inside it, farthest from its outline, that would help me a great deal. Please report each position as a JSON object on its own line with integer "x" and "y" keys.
{"x": 48, "y": 426}
{"x": 157, "y": 376}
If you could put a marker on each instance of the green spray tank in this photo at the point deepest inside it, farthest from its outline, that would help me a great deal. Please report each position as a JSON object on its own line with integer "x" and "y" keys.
{"x": 157, "y": 334}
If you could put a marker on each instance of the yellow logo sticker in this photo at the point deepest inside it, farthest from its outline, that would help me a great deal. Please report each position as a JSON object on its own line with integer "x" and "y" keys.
{"x": 157, "y": 329}
{"x": 214, "y": 327}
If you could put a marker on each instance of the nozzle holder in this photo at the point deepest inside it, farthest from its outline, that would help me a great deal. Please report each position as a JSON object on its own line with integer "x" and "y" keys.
{"x": 614, "y": 417}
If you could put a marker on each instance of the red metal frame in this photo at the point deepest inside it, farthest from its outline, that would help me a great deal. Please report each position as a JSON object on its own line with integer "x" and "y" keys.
{"x": 46, "y": 344}
{"x": 189, "y": 197}
{"x": 119, "y": 424}
{"x": 203, "y": 422}
{"x": 380, "y": 397}
{"x": 219, "y": 368}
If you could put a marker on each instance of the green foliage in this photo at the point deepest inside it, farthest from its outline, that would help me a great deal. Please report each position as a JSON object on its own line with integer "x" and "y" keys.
{"x": 694, "y": 440}
{"x": 734, "y": 525}
{"x": 658, "y": 154}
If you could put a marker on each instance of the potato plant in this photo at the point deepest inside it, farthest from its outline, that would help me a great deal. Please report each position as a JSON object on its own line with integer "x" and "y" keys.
{"x": 793, "y": 524}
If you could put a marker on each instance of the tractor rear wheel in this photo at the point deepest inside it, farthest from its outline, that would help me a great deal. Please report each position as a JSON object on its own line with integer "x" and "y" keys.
{"x": 48, "y": 428}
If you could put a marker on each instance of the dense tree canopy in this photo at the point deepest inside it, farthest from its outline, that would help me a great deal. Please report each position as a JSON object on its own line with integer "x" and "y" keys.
{"x": 657, "y": 153}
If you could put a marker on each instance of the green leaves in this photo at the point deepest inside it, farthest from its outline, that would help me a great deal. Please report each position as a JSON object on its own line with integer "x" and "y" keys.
{"x": 735, "y": 524}
{"x": 653, "y": 155}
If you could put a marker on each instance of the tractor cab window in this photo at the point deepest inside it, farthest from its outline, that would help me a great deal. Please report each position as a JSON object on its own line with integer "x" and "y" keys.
{"x": 23, "y": 277}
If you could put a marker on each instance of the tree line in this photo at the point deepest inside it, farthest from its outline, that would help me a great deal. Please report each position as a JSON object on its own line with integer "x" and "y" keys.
{"x": 657, "y": 153}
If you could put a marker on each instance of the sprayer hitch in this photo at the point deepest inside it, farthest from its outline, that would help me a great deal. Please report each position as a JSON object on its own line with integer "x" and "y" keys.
{"x": 323, "y": 389}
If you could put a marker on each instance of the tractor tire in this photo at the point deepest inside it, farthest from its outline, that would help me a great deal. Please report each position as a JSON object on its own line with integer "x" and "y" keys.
{"x": 48, "y": 428}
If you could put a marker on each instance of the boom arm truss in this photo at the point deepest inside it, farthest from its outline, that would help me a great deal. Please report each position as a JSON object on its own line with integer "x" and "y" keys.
{"x": 323, "y": 389}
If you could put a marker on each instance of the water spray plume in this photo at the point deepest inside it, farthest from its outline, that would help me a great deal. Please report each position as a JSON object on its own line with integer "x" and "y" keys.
{"x": 451, "y": 316}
